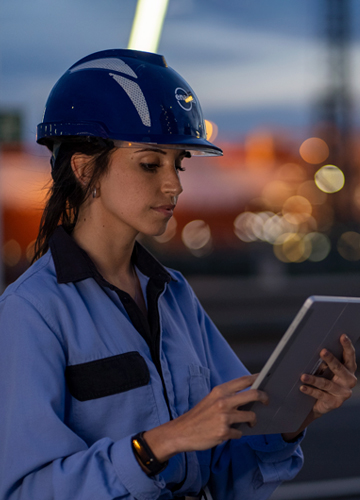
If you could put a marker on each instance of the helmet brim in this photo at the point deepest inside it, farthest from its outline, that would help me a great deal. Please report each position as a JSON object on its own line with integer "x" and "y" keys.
{"x": 200, "y": 148}
{"x": 48, "y": 133}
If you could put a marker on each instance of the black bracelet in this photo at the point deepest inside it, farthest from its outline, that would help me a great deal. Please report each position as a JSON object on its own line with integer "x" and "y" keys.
{"x": 143, "y": 452}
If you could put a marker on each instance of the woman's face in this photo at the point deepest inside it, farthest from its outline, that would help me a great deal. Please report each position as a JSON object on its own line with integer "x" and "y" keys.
{"x": 140, "y": 190}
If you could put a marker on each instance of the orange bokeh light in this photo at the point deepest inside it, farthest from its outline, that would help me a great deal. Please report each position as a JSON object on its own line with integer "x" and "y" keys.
{"x": 314, "y": 150}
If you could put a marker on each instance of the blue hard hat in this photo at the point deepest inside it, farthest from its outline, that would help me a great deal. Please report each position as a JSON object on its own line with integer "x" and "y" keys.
{"x": 125, "y": 95}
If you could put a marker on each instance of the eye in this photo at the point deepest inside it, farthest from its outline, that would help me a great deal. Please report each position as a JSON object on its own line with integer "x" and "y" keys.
{"x": 149, "y": 167}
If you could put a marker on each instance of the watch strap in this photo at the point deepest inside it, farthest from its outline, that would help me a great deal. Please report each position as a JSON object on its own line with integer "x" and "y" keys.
{"x": 145, "y": 455}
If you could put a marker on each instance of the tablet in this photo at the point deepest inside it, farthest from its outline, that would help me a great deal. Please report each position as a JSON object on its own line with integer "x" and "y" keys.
{"x": 319, "y": 324}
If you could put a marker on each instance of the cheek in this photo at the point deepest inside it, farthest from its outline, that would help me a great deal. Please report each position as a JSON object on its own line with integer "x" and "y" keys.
{"x": 126, "y": 192}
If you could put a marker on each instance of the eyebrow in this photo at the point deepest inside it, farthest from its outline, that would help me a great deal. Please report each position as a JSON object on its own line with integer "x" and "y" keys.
{"x": 154, "y": 150}
{"x": 157, "y": 150}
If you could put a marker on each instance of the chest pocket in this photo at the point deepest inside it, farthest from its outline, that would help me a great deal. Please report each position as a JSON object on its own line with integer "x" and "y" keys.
{"x": 199, "y": 384}
{"x": 107, "y": 376}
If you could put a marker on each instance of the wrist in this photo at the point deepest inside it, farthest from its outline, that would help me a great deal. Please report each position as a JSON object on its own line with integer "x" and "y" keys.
{"x": 145, "y": 456}
{"x": 164, "y": 440}
{"x": 293, "y": 436}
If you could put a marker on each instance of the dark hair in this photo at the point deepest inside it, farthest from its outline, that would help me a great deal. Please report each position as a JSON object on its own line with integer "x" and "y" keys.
{"x": 66, "y": 193}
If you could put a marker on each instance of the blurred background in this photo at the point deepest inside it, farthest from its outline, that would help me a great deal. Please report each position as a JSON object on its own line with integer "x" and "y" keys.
{"x": 257, "y": 231}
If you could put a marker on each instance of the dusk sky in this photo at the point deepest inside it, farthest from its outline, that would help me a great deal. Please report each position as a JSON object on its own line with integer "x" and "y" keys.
{"x": 251, "y": 62}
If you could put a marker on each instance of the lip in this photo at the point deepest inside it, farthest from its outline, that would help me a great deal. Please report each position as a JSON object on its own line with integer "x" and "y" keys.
{"x": 166, "y": 210}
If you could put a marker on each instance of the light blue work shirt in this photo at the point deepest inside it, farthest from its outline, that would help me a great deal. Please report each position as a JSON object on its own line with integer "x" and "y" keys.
{"x": 78, "y": 380}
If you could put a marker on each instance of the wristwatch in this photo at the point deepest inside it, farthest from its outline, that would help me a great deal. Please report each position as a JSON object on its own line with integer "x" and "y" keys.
{"x": 146, "y": 457}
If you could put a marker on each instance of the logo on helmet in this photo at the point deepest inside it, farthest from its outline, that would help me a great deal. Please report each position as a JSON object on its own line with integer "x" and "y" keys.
{"x": 184, "y": 99}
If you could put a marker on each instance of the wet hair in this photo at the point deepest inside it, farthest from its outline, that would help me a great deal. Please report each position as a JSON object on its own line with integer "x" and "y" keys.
{"x": 67, "y": 194}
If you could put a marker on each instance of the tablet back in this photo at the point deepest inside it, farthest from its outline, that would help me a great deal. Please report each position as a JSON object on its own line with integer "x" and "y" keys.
{"x": 319, "y": 324}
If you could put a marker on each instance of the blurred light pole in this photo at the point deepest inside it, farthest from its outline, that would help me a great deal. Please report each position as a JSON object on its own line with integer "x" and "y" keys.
{"x": 334, "y": 107}
{"x": 147, "y": 26}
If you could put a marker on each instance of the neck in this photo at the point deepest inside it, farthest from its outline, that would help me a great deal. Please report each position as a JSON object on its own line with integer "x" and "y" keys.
{"x": 108, "y": 248}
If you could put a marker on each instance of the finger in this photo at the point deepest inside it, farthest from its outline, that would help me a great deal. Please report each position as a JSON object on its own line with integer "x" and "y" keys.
{"x": 235, "y": 433}
{"x": 329, "y": 402}
{"x": 243, "y": 417}
{"x": 327, "y": 386}
{"x": 237, "y": 384}
{"x": 340, "y": 371}
{"x": 349, "y": 354}
{"x": 249, "y": 396}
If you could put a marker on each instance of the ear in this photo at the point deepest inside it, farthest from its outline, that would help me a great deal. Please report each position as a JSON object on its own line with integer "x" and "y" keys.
{"x": 81, "y": 166}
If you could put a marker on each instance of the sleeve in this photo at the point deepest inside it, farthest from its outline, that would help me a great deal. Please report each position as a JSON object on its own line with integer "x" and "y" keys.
{"x": 253, "y": 466}
{"x": 40, "y": 456}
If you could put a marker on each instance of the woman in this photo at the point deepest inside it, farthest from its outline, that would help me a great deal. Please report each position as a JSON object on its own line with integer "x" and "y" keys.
{"x": 115, "y": 383}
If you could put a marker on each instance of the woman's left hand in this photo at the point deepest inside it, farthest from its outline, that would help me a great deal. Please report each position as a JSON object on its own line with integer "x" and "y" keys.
{"x": 329, "y": 394}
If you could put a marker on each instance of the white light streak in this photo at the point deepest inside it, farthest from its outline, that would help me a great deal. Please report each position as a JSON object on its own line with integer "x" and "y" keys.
{"x": 147, "y": 25}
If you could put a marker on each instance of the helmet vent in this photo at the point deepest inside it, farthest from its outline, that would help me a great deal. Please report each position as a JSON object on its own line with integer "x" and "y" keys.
{"x": 136, "y": 96}
{"x": 109, "y": 63}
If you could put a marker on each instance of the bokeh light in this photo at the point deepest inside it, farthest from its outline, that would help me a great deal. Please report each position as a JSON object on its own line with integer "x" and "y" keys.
{"x": 310, "y": 191}
{"x": 292, "y": 247}
{"x": 329, "y": 179}
{"x": 248, "y": 226}
{"x": 314, "y": 150}
{"x": 169, "y": 233}
{"x": 267, "y": 226}
{"x": 348, "y": 245}
{"x": 196, "y": 236}
{"x": 275, "y": 193}
{"x": 30, "y": 251}
{"x": 298, "y": 247}
{"x": 320, "y": 246}
{"x": 11, "y": 253}
{"x": 276, "y": 226}
{"x": 297, "y": 209}
{"x": 211, "y": 130}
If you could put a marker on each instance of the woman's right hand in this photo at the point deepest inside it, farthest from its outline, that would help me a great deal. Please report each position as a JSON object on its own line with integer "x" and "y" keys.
{"x": 209, "y": 423}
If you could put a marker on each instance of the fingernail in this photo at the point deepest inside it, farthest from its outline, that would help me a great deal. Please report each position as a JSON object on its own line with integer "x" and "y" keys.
{"x": 303, "y": 388}
{"x": 346, "y": 338}
{"x": 326, "y": 352}
{"x": 305, "y": 378}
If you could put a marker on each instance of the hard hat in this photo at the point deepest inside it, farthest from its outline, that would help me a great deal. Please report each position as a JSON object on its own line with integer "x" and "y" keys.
{"x": 129, "y": 96}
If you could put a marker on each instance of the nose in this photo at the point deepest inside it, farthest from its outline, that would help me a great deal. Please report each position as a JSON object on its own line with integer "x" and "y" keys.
{"x": 171, "y": 181}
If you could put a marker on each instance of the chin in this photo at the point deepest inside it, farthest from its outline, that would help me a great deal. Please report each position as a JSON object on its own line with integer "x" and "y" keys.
{"x": 156, "y": 231}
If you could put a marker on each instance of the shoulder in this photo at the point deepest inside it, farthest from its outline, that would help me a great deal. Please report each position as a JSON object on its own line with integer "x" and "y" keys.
{"x": 27, "y": 306}
{"x": 33, "y": 279}
{"x": 35, "y": 285}
{"x": 180, "y": 284}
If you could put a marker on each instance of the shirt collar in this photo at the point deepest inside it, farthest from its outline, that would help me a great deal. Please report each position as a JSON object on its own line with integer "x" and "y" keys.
{"x": 72, "y": 263}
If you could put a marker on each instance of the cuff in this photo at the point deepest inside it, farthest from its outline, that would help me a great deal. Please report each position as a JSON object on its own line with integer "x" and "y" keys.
{"x": 277, "y": 460}
{"x": 134, "y": 479}
{"x": 272, "y": 447}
